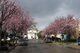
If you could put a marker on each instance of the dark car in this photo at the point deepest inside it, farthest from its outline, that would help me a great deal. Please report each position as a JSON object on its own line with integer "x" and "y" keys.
{"x": 23, "y": 42}
{"x": 4, "y": 45}
{"x": 48, "y": 40}
{"x": 56, "y": 39}
{"x": 78, "y": 41}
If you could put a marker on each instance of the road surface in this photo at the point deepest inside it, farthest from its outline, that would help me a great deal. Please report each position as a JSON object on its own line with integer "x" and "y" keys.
{"x": 36, "y": 46}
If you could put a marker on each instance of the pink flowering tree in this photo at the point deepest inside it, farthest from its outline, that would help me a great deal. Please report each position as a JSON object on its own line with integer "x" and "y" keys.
{"x": 13, "y": 18}
{"x": 62, "y": 25}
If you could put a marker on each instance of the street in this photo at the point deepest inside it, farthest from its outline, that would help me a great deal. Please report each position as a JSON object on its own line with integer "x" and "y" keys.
{"x": 24, "y": 23}
{"x": 35, "y": 46}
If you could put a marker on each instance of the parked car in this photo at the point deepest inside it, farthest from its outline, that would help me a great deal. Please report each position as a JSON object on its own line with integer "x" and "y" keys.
{"x": 22, "y": 42}
{"x": 56, "y": 39}
{"x": 48, "y": 40}
{"x": 78, "y": 41}
{"x": 4, "y": 45}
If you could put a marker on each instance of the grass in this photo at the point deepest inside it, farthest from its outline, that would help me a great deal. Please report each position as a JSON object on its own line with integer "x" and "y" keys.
{"x": 62, "y": 43}
{"x": 67, "y": 44}
{"x": 75, "y": 46}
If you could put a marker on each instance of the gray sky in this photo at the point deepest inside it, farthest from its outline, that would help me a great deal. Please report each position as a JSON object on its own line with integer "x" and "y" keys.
{"x": 46, "y": 11}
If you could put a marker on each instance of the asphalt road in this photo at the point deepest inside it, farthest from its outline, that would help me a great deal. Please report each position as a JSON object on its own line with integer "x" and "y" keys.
{"x": 37, "y": 46}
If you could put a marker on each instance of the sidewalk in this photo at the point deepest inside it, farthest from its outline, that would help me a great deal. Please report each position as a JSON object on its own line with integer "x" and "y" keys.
{"x": 68, "y": 45}
{"x": 74, "y": 46}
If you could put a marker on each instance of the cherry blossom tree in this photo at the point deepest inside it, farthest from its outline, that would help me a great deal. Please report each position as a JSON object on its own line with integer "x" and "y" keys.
{"x": 62, "y": 25}
{"x": 17, "y": 25}
{"x": 13, "y": 18}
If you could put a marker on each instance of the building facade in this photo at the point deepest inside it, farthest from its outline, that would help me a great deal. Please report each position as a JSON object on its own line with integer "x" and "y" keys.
{"x": 32, "y": 33}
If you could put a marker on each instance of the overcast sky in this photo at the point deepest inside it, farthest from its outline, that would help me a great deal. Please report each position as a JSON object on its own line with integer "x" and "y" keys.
{"x": 46, "y": 11}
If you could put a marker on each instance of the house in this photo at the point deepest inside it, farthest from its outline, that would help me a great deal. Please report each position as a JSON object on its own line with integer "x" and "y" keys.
{"x": 32, "y": 33}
